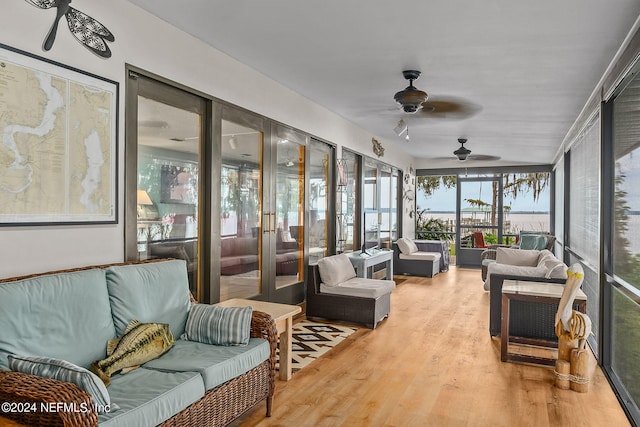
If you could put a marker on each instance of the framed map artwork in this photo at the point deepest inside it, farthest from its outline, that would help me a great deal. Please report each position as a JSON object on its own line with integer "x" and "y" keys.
{"x": 58, "y": 143}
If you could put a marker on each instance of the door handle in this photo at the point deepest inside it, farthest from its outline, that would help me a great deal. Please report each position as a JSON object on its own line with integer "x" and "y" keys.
{"x": 266, "y": 222}
{"x": 273, "y": 227}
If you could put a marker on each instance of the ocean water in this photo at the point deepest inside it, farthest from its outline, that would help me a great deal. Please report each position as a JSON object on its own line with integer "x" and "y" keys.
{"x": 541, "y": 222}
{"x": 513, "y": 222}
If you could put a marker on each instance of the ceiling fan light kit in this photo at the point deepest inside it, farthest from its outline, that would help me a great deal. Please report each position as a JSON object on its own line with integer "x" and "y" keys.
{"x": 400, "y": 128}
{"x": 462, "y": 153}
{"x": 410, "y": 98}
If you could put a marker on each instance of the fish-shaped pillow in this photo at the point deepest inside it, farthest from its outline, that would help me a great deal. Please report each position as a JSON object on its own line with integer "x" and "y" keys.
{"x": 140, "y": 343}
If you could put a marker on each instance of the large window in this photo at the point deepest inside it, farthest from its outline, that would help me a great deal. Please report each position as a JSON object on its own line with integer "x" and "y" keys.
{"x": 559, "y": 203}
{"x": 625, "y": 219}
{"x": 584, "y": 216}
{"x": 523, "y": 196}
{"x": 526, "y": 204}
{"x": 436, "y": 207}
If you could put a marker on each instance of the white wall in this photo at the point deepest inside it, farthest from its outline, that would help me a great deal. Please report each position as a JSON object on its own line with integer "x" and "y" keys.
{"x": 149, "y": 43}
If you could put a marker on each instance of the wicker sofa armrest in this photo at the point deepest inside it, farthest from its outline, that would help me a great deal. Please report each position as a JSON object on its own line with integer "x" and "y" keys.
{"x": 263, "y": 326}
{"x": 488, "y": 254}
{"x": 32, "y": 394}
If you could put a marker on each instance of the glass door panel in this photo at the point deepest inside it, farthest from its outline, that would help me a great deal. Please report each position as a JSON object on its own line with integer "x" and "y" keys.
{"x": 319, "y": 158}
{"x": 241, "y": 207}
{"x": 347, "y": 196}
{"x": 479, "y": 216}
{"x": 386, "y": 205}
{"x": 289, "y": 212}
{"x": 393, "y": 213}
{"x": 168, "y": 184}
{"x": 371, "y": 225}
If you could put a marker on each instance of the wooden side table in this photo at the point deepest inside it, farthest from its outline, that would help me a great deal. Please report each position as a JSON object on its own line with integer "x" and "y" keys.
{"x": 283, "y": 316}
{"x": 548, "y": 293}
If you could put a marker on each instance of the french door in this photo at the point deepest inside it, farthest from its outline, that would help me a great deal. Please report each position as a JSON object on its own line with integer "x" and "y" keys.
{"x": 164, "y": 175}
{"x": 223, "y": 189}
{"x": 262, "y": 215}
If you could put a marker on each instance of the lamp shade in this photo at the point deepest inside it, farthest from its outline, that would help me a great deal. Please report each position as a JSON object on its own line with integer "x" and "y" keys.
{"x": 143, "y": 198}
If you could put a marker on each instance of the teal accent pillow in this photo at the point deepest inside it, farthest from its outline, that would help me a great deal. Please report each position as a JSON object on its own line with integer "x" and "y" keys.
{"x": 62, "y": 370}
{"x": 212, "y": 324}
{"x": 533, "y": 241}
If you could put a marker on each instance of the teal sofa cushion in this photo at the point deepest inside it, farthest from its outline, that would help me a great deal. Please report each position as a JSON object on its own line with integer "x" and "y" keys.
{"x": 147, "y": 398}
{"x": 533, "y": 242}
{"x": 216, "y": 364}
{"x": 156, "y": 292}
{"x": 65, "y": 316}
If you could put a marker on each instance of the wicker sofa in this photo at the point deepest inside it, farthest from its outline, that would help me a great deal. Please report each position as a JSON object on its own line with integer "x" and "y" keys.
{"x": 70, "y": 314}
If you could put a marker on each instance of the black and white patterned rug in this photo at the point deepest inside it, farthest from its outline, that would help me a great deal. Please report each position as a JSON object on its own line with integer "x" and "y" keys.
{"x": 311, "y": 340}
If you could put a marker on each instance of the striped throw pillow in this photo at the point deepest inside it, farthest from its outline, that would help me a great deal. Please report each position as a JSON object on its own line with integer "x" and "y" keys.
{"x": 211, "y": 324}
{"x": 62, "y": 370}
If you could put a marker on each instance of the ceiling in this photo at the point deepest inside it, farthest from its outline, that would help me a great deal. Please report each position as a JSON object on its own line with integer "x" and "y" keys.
{"x": 525, "y": 68}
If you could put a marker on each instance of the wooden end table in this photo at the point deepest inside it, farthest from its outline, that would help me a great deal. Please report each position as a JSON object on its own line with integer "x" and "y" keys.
{"x": 283, "y": 316}
{"x": 541, "y": 292}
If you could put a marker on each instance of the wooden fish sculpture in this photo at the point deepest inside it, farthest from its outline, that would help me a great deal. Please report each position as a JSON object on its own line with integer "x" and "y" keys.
{"x": 140, "y": 343}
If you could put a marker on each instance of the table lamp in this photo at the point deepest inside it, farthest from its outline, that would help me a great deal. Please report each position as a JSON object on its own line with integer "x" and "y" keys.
{"x": 143, "y": 201}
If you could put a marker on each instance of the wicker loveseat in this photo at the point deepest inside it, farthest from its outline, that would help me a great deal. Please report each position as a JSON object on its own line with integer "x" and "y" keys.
{"x": 70, "y": 314}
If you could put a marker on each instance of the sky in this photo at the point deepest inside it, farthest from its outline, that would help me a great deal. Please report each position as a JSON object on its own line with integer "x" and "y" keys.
{"x": 445, "y": 199}
{"x": 630, "y": 167}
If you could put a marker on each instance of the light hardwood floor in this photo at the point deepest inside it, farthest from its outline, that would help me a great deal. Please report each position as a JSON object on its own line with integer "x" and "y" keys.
{"x": 433, "y": 363}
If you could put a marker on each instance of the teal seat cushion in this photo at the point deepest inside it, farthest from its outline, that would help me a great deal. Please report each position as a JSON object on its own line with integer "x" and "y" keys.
{"x": 64, "y": 316}
{"x": 216, "y": 364}
{"x": 147, "y": 398}
{"x": 156, "y": 292}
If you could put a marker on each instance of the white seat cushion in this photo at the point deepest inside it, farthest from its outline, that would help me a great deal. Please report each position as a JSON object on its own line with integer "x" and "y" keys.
{"x": 360, "y": 287}
{"x": 425, "y": 256}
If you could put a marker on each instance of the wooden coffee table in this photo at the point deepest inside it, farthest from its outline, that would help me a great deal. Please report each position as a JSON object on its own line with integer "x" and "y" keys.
{"x": 533, "y": 292}
{"x": 283, "y": 316}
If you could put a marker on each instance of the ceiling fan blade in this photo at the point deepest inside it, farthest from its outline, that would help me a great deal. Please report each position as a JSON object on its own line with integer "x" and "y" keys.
{"x": 442, "y": 107}
{"x": 471, "y": 157}
{"x": 483, "y": 157}
{"x": 449, "y": 108}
